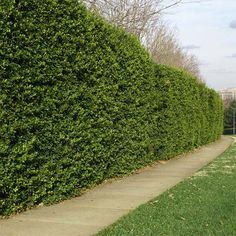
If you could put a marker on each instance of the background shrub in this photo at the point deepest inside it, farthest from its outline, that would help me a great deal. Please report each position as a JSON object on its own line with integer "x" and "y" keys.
{"x": 82, "y": 101}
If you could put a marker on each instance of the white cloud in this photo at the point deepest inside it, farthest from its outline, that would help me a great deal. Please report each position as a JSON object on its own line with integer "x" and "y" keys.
{"x": 233, "y": 24}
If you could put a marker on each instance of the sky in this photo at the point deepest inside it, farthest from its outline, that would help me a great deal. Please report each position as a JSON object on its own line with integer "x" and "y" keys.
{"x": 207, "y": 29}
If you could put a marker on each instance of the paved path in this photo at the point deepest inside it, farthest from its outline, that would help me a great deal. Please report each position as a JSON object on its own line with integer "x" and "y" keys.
{"x": 103, "y": 205}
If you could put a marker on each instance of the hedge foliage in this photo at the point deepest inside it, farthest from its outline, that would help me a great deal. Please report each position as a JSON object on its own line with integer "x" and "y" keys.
{"x": 191, "y": 114}
{"x": 81, "y": 101}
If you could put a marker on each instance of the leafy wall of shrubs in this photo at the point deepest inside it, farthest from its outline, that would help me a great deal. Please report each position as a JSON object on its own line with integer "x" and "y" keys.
{"x": 81, "y": 101}
{"x": 191, "y": 114}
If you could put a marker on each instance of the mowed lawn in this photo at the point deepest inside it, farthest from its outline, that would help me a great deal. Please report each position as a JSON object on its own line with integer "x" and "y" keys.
{"x": 204, "y": 204}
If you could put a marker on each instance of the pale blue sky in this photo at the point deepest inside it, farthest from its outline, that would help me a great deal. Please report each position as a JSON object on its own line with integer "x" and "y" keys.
{"x": 208, "y": 29}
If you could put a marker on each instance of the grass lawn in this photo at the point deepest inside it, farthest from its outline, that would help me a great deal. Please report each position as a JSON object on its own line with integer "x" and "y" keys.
{"x": 204, "y": 204}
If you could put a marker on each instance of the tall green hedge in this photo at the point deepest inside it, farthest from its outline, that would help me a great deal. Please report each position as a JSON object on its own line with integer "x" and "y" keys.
{"x": 191, "y": 114}
{"x": 81, "y": 101}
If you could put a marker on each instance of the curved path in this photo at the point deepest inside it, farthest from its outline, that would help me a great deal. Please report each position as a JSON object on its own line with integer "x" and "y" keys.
{"x": 103, "y": 205}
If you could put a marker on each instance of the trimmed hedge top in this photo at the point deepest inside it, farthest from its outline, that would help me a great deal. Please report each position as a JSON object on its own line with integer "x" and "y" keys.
{"x": 82, "y": 101}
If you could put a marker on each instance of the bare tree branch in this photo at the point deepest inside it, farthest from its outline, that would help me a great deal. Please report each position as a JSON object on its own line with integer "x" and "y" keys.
{"x": 144, "y": 19}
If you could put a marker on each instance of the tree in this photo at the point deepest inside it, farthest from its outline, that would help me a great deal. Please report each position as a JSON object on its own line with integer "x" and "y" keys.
{"x": 227, "y": 102}
{"x": 136, "y": 16}
{"x": 230, "y": 115}
{"x": 143, "y": 18}
{"x": 165, "y": 49}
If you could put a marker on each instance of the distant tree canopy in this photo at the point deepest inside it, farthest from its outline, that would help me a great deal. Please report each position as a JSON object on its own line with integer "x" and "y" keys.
{"x": 230, "y": 112}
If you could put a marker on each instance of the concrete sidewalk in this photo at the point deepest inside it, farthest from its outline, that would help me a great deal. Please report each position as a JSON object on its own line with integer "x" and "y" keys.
{"x": 103, "y": 205}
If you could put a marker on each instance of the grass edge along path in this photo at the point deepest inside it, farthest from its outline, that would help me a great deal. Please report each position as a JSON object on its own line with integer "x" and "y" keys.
{"x": 203, "y": 204}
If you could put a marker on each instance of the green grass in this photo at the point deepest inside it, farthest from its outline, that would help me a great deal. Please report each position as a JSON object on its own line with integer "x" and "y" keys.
{"x": 204, "y": 204}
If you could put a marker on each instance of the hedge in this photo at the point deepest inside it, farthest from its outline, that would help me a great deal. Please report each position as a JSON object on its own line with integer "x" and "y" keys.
{"x": 82, "y": 101}
{"x": 191, "y": 114}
